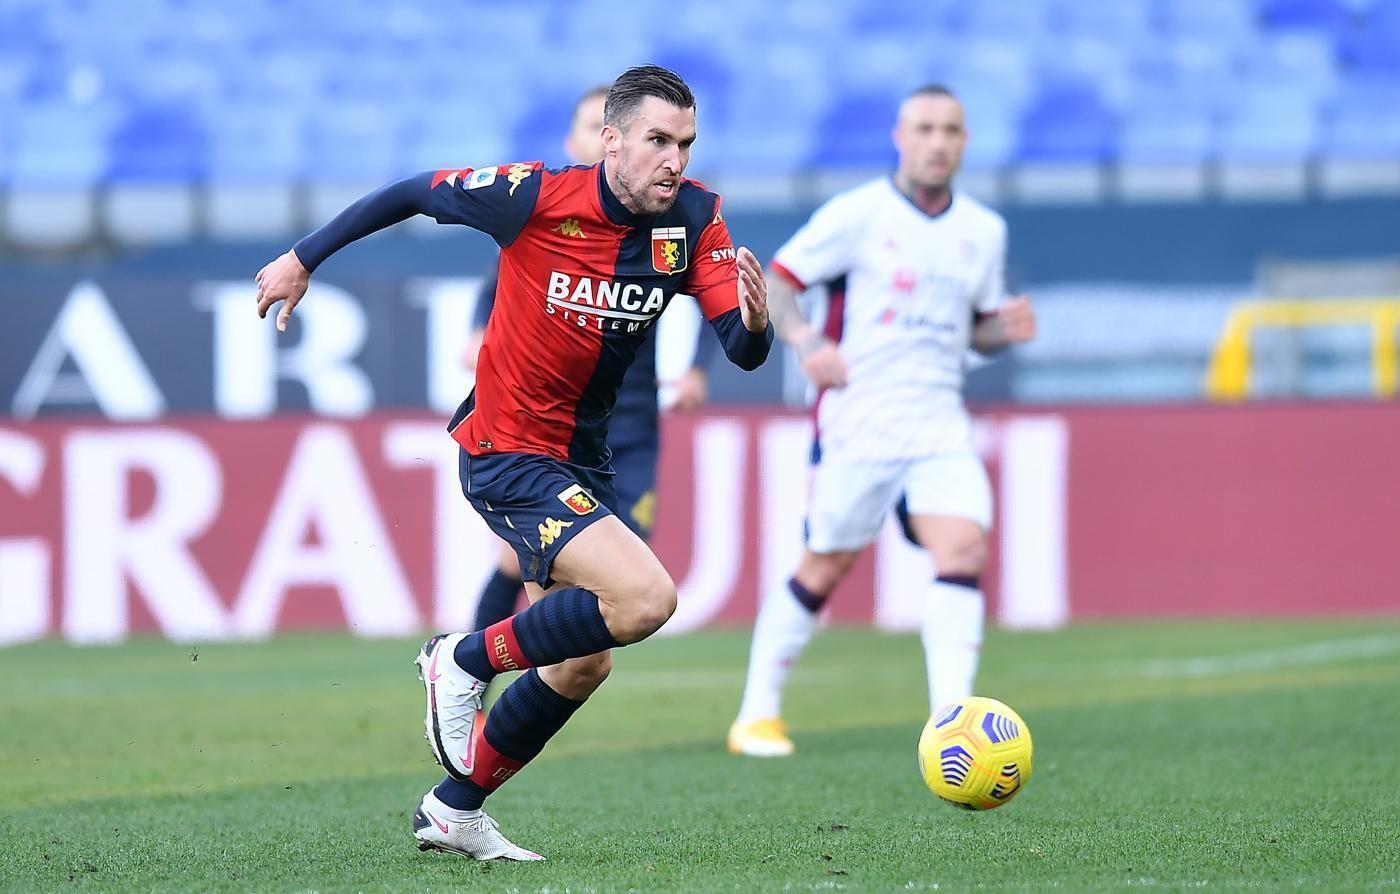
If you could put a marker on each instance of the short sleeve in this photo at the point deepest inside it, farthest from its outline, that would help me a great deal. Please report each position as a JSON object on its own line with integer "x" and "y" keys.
{"x": 714, "y": 274}
{"x": 991, "y": 290}
{"x": 496, "y": 200}
{"x": 824, "y": 246}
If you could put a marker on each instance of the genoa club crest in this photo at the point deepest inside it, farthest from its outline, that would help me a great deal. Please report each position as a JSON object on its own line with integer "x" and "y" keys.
{"x": 578, "y": 500}
{"x": 668, "y": 254}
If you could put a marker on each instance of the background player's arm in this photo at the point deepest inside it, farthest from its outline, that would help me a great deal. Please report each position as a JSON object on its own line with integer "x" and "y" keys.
{"x": 1012, "y": 324}
{"x": 999, "y": 322}
{"x": 820, "y": 357}
{"x": 822, "y": 249}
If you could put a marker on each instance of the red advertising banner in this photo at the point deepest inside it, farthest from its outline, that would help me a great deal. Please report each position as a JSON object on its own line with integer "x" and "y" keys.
{"x": 203, "y": 529}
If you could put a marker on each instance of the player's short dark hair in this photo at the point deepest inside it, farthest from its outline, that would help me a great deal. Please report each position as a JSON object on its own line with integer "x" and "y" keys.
{"x": 932, "y": 90}
{"x": 636, "y": 84}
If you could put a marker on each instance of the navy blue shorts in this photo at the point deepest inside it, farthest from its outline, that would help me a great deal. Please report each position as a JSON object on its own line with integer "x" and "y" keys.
{"x": 535, "y": 504}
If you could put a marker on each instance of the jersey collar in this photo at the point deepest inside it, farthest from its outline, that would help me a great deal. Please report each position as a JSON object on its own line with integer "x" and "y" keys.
{"x": 952, "y": 200}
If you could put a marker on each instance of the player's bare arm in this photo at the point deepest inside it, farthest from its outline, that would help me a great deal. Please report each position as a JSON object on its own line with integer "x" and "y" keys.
{"x": 1013, "y": 324}
{"x": 820, "y": 358}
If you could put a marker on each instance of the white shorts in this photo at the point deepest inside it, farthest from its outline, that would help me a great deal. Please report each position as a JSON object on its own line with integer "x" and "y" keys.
{"x": 850, "y": 498}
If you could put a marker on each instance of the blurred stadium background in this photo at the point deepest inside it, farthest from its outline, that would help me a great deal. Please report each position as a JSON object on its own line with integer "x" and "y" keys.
{"x": 1203, "y": 198}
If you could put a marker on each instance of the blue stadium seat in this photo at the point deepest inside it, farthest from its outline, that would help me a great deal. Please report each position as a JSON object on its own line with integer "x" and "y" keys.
{"x": 855, "y": 132}
{"x": 1166, "y": 135}
{"x": 1323, "y": 15}
{"x": 1225, "y": 21}
{"x": 59, "y": 145}
{"x": 159, "y": 144}
{"x": 1374, "y": 49}
{"x": 1362, "y": 124}
{"x": 1121, "y": 22}
{"x": 1268, "y": 124}
{"x": 256, "y": 144}
{"x": 1068, "y": 122}
{"x": 993, "y": 129}
{"x": 355, "y": 142}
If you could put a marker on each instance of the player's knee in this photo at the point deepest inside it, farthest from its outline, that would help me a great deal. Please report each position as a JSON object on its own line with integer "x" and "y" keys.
{"x": 652, "y": 604}
{"x": 588, "y": 673}
{"x": 967, "y": 557}
{"x": 820, "y": 573}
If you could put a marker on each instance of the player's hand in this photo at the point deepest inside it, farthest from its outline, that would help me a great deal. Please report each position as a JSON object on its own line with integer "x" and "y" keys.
{"x": 753, "y": 292}
{"x": 286, "y": 280}
{"x": 473, "y": 349}
{"x": 1017, "y": 318}
{"x": 823, "y": 363}
{"x": 692, "y": 389}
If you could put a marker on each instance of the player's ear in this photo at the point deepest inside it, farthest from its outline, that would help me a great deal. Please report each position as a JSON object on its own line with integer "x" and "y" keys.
{"x": 612, "y": 138}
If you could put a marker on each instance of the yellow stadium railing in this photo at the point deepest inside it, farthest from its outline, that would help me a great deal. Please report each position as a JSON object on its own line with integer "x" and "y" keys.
{"x": 1228, "y": 377}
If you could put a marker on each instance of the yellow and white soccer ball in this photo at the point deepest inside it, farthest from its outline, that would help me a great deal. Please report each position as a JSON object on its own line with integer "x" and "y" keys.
{"x": 975, "y": 753}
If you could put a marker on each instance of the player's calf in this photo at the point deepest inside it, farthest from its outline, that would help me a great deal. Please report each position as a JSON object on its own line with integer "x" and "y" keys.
{"x": 578, "y": 678}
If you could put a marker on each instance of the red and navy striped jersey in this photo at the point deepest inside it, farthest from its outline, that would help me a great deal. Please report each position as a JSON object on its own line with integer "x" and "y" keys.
{"x": 581, "y": 282}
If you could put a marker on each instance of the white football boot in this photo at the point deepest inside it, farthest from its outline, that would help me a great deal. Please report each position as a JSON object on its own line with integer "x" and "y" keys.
{"x": 470, "y": 833}
{"x": 454, "y": 705}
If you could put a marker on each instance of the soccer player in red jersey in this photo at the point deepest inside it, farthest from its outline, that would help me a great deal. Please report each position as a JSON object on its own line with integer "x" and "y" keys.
{"x": 590, "y": 256}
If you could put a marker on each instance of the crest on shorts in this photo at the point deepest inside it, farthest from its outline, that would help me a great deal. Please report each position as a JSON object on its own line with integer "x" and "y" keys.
{"x": 668, "y": 252}
{"x": 578, "y": 499}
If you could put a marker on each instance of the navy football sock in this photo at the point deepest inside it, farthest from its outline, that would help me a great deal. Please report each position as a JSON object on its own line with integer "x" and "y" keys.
{"x": 525, "y": 717}
{"x": 564, "y": 624}
{"x": 498, "y": 600}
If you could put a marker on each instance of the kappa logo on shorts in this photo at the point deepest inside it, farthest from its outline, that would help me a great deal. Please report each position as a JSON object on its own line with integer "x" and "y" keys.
{"x": 578, "y": 499}
{"x": 550, "y": 529}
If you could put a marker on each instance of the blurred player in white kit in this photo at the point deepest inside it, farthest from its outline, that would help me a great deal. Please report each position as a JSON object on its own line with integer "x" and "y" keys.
{"x": 914, "y": 273}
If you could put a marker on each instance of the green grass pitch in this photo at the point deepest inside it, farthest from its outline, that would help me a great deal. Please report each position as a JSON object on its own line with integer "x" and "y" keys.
{"x": 1236, "y": 756}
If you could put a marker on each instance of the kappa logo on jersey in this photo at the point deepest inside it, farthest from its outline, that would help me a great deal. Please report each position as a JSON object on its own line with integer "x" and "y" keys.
{"x": 578, "y": 499}
{"x": 483, "y": 177}
{"x": 517, "y": 174}
{"x": 550, "y": 529}
{"x": 570, "y": 227}
{"x": 668, "y": 254}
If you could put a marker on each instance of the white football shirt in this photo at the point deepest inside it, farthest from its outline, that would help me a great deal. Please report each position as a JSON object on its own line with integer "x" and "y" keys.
{"x": 904, "y": 287}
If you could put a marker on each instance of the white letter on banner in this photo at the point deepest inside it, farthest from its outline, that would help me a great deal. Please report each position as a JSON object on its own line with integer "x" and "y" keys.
{"x": 1034, "y": 509}
{"x": 450, "y": 304}
{"x": 464, "y": 549}
{"x": 104, "y": 548}
{"x": 783, "y": 473}
{"x": 110, "y": 371}
{"x": 325, "y": 486}
{"x": 248, "y": 363}
{"x": 720, "y": 478}
{"x": 24, "y": 561}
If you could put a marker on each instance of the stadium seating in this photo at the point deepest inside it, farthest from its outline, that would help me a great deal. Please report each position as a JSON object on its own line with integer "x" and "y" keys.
{"x": 314, "y": 91}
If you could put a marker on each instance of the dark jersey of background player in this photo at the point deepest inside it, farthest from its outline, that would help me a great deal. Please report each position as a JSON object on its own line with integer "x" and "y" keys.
{"x": 581, "y": 282}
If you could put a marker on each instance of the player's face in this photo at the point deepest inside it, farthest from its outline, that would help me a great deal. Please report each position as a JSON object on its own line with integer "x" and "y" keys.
{"x": 584, "y": 144}
{"x": 649, "y": 154}
{"x": 930, "y": 136}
